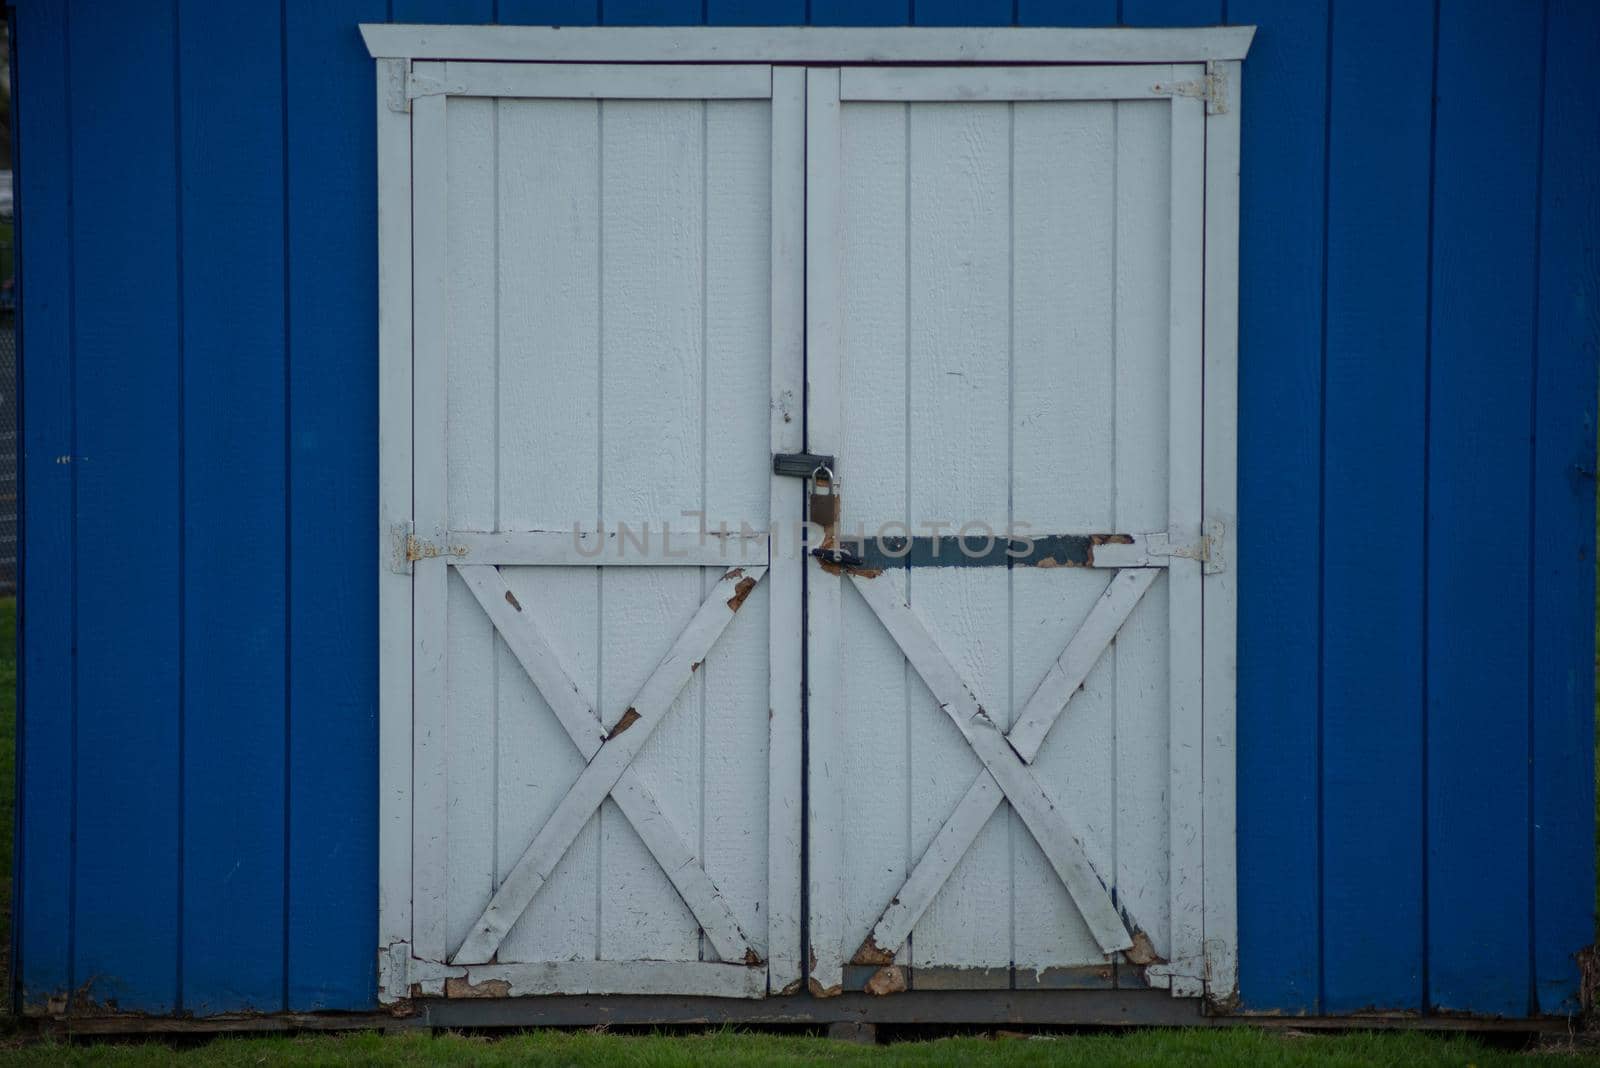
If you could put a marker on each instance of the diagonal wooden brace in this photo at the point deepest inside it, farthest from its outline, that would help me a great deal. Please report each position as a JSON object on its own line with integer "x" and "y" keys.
{"x": 1065, "y": 677}
{"x": 607, "y": 766}
{"x": 575, "y": 711}
{"x": 1049, "y": 826}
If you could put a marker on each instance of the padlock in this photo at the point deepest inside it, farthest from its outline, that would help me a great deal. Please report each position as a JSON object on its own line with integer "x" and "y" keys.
{"x": 824, "y": 505}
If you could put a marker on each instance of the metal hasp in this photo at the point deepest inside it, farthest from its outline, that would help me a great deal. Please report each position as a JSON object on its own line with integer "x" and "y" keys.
{"x": 801, "y": 464}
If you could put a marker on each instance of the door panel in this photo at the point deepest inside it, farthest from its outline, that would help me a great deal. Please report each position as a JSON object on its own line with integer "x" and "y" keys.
{"x": 1011, "y": 276}
{"x": 602, "y": 331}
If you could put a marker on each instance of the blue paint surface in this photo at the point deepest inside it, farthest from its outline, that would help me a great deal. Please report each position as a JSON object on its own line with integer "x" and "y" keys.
{"x": 1281, "y": 231}
{"x": 1374, "y": 386}
{"x": 332, "y": 667}
{"x": 1478, "y": 642}
{"x": 233, "y": 418}
{"x": 127, "y": 536}
{"x": 1418, "y": 352}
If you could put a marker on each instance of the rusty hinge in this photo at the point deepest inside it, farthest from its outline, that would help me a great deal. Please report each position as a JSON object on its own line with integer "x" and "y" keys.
{"x": 1212, "y": 88}
{"x": 405, "y": 548}
{"x": 397, "y": 91}
{"x": 1207, "y": 548}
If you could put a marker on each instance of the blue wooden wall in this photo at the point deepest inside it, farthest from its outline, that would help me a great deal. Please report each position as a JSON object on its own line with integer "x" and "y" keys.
{"x": 1418, "y": 385}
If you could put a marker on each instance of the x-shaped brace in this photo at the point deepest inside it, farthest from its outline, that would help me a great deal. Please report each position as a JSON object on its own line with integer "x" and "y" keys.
{"x": 609, "y": 771}
{"x": 1005, "y": 758}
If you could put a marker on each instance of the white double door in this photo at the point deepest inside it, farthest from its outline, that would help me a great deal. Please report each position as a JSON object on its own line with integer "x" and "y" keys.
{"x": 640, "y": 709}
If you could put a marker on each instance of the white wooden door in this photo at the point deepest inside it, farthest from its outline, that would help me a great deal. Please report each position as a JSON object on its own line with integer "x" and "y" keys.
{"x": 1005, "y": 272}
{"x": 1002, "y": 300}
{"x": 607, "y": 351}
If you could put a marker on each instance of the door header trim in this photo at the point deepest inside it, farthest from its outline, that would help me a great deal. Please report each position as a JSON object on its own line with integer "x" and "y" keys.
{"x": 806, "y": 44}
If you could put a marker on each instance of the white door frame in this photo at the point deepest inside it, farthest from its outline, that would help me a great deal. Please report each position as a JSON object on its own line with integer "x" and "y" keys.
{"x": 405, "y": 76}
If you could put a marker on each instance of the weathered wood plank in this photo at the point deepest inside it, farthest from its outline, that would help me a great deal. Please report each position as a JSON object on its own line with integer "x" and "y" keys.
{"x": 624, "y": 44}
{"x": 1005, "y": 84}
{"x": 1185, "y": 444}
{"x": 430, "y": 580}
{"x": 593, "y": 81}
{"x": 638, "y": 977}
{"x": 786, "y": 569}
{"x": 394, "y": 516}
{"x": 627, "y": 545}
{"x": 824, "y": 841}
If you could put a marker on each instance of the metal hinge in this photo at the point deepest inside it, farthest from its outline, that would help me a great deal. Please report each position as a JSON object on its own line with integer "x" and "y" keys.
{"x": 1212, "y": 88}
{"x": 405, "y": 548}
{"x": 1207, "y": 550}
{"x": 397, "y": 93}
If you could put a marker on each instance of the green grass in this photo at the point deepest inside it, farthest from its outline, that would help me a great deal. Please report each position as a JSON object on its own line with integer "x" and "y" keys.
{"x": 1236, "y": 1046}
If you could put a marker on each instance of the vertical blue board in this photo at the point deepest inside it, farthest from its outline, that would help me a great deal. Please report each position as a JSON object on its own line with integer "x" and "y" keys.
{"x": 1066, "y": 12}
{"x": 1282, "y": 231}
{"x": 549, "y": 12}
{"x": 860, "y": 12}
{"x": 1564, "y": 521}
{"x": 961, "y": 12}
{"x": 128, "y": 459}
{"x": 1176, "y": 13}
{"x": 443, "y": 11}
{"x": 1380, "y": 120}
{"x": 44, "y": 725}
{"x": 755, "y": 12}
{"x": 1478, "y": 507}
{"x": 231, "y": 127}
{"x": 652, "y": 12}
{"x": 330, "y": 103}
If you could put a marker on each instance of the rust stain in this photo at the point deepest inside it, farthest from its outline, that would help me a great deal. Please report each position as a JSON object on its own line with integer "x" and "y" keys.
{"x": 732, "y": 573}
{"x": 793, "y": 987}
{"x": 751, "y": 957}
{"x": 629, "y": 718}
{"x": 890, "y": 980}
{"x": 820, "y": 991}
{"x": 511, "y": 599}
{"x": 740, "y": 592}
{"x": 872, "y": 953}
{"x": 1110, "y": 539}
{"x": 466, "y": 988}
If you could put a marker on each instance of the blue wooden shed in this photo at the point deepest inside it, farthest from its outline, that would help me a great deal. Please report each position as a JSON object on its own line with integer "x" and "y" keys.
{"x": 1418, "y": 293}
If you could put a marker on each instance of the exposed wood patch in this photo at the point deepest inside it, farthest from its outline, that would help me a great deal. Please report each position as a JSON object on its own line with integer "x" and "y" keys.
{"x": 740, "y": 592}
{"x": 466, "y": 988}
{"x": 887, "y": 980}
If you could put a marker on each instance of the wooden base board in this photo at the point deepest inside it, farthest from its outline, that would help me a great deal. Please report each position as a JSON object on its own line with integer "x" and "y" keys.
{"x": 945, "y": 1008}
